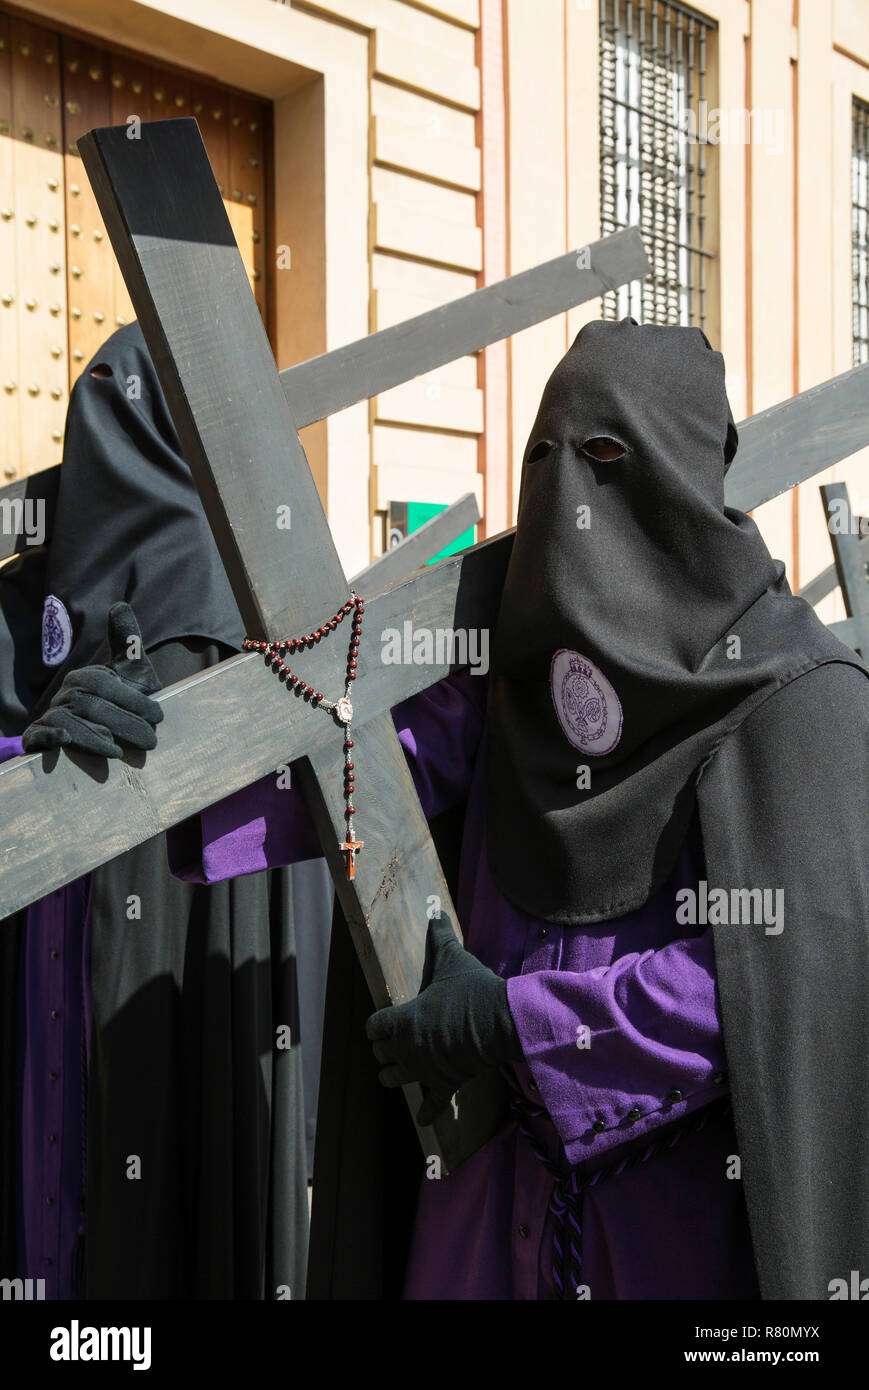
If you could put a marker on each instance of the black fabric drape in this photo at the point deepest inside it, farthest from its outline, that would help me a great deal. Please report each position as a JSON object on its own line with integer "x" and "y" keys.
{"x": 11, "y": 929}
{"x": 128, "y": 523}
{"x": 767, "y": 740}
{"x": 187, "y": 1075}
{"x": 673, "y": 617}
{"x": 186, "y": 1071}
{"x": 783, "y": 804}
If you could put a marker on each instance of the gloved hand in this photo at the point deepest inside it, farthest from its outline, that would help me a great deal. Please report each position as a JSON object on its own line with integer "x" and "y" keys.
{"x": 458, "y": 1025}
{"x": 98, "y": 708}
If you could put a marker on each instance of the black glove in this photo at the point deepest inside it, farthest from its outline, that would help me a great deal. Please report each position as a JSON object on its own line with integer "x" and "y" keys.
{"x": 98, "y": 708}
{"x": 458, "y": 1025}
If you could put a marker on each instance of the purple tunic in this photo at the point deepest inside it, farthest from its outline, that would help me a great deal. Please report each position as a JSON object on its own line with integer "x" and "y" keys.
{"x": 52, "y": 1042}
{"x": 621, "y": 1036}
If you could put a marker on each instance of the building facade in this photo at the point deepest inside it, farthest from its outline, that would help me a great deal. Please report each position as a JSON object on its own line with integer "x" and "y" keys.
{"x": 381, "y": 157}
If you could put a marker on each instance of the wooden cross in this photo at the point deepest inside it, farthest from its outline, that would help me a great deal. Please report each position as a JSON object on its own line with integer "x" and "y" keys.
{"x": 237, "y": 421}
{"x": 65, "y": 814}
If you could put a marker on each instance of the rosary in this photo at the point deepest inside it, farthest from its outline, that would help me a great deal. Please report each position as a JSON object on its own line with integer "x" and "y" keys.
{"x": 341, "y": 708}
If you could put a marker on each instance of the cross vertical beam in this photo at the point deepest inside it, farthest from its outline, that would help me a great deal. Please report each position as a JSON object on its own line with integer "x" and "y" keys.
{"x": 191, "y": 294}
{"x": 192, "y": 297}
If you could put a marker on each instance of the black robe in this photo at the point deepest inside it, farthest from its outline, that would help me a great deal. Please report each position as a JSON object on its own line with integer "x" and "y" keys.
{"x": 187, "y": 1071}
{"x": 781, "y": 802}
{"x": 767, "y": 744}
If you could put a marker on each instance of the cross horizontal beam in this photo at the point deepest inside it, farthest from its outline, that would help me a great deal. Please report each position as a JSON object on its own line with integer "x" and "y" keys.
{"x": 337, "y": 379}
{"x": 781, "y": 446}
{"x": 48, "y": 843}
{"x": 63, "y": 814}
{"x": 344, "y": 376}
{"x": 53, "y": 828}
{"x": 419, "y": 547}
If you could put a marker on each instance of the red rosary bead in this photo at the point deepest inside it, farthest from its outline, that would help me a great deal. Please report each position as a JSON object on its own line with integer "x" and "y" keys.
{"x": 272, "y": 651}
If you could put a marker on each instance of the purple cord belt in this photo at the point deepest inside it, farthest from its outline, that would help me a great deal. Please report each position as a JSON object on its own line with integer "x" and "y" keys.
{"x": 565, "y": 1203}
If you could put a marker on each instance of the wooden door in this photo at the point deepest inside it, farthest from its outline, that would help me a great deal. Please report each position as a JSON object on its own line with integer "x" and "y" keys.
{"x": 61, "y": 292}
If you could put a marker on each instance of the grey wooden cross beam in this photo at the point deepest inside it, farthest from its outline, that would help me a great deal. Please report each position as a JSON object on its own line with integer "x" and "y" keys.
{"x": 62, "y": 817}
{"x": 190, "y": 291}
{"x": 850, "y": 567}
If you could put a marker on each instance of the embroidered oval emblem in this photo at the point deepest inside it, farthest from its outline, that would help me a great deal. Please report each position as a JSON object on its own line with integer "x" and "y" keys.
{"x": 56, "y": 632}
{"x": 588, "y": 708}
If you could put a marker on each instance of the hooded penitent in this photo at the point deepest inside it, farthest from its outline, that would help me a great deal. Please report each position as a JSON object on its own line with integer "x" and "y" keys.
{"x": 128, "y": 524}
{"x": 612, "y": 653}
{"x": 642, "y": 620}
{"x": 185, "y": 1001}
{"x": 650, "y": 662}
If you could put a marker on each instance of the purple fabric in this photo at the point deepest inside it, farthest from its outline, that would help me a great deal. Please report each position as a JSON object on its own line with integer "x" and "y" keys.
{"x": 672, "y": 1228}
{"x": 263, "y": 825}
{"x": 51, "y": 1062}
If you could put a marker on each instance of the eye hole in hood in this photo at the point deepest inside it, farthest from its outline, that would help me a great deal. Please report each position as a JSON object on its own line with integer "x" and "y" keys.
{"x": 604, "y": 449}
{"x": 540, "y": 450}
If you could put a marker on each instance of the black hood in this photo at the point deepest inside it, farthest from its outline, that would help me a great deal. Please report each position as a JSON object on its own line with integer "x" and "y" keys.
{"x": 128, "y": 525}
{"x": 641, "y": 620}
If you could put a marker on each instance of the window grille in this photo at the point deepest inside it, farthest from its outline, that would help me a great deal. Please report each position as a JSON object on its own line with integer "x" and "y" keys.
{"x": 860, "y": 231}
{"x": 654, "y": 170}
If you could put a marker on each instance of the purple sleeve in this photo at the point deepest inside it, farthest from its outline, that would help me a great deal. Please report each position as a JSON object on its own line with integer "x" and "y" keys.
{"x": 440, "y": 730}
{"x": 10, "y": 748}
{"x": 622, "y": 1049}
{"x": 260, "y": 827}
{"x": 266, "y": 825}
